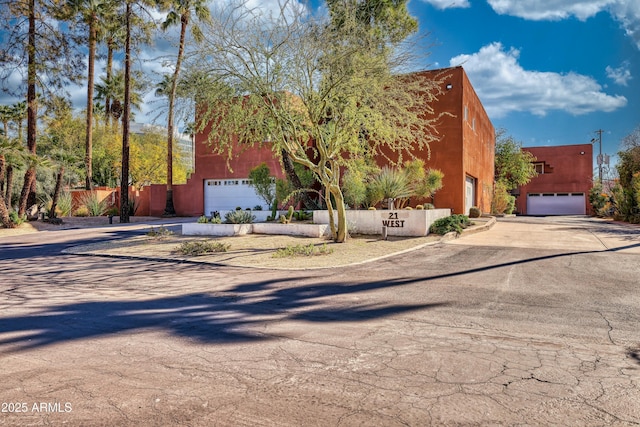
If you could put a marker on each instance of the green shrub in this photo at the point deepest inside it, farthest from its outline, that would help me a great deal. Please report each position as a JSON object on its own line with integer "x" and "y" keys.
{"x": 475, "y": 212}
{"x": 63, "y": 207}
{"x": 201, "y": 247}
{"x": 203, "y": 220}
{"x": 95, "y": 206}
{"x": 134, "y": 204}
{"x": 302, "y": 250}
{"x": 239, "y": 217}
{"x": 453, "y": 223}
{"x": 15, "y": 218}
{"x": 428, "y": 206}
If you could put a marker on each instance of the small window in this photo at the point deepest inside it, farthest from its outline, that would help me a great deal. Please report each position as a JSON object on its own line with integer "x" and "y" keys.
{"x": 539, "y": 166}
{"x": 466, "y": 113}
{"x": 473, "y": 123}
{"x": 548, "y": 194}
{"x": 562, "y": 194}
{"x": 578, "y": 194}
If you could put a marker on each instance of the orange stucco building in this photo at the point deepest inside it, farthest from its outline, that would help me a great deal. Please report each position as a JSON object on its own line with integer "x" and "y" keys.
{"x": 465, "y": 154}
{"x": 565, "y": 176}
{"x": 466, "y": 151}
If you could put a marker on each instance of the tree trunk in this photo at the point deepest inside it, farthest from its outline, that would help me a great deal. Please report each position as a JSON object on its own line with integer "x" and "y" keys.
{"x": 31, "y": 107}
{"x": 169, "y": 209}
{"x": 293, "y": 177}
{"x": 124, "y": 178}
{"x": 88, "y": 155}
{"x": 9, "y": 184}
{"x": 56, "y": 193}
{"x": 3, "y": 164}
{"x": 4, "y": 214}
{"x": 341, "y": 232}
{"x": 29, "y": 178}
{"x": 107, "y": 100}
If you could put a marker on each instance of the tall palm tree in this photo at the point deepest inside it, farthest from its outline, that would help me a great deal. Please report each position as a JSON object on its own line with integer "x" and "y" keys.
{"x": 112, "y": 90}
{"x": 180, "y": 12}
{"x": 113, "y": 37}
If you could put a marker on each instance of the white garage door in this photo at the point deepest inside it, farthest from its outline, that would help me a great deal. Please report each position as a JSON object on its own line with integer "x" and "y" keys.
{"x": 227, "y": 194}
{"x": 556, "y": 204}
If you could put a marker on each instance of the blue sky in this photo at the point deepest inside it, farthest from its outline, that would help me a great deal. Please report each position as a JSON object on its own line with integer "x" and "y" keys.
{"x": 551, "y": 72}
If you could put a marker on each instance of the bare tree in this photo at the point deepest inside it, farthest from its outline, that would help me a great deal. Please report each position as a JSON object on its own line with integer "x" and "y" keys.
{"x": 326, "y": 91}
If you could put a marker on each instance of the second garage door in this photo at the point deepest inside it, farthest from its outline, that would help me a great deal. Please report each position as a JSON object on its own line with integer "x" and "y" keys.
{"x": 227, "y": 194}
{"x": 556, "y": 204}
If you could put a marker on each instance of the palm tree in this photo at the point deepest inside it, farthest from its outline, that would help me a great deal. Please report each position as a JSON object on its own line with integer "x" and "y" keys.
{"x": 91, "y": 12}
{"x": 180, "y": 12}
{"x": 112, "y": 90}
{"x": 113, "y": 37}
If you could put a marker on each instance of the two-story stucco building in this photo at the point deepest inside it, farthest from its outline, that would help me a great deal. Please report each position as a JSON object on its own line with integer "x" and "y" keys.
{"x": 465, "y": 154}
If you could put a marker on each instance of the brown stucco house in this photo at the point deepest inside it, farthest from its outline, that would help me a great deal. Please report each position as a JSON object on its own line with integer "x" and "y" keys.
{"x": 465, "y": 154}
{"x": 565, "y": 176}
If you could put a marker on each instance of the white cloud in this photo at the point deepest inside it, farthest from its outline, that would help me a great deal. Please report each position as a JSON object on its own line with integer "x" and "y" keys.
{"x": 446, "y": 4}
{"x": 504, "y": 86}
{"x": 538, "y": 10}
{"x": 620, "y": 75}
{"x": 627, "y": 12}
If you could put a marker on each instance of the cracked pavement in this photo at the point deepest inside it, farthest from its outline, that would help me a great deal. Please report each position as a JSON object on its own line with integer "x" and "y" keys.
{"x": 533, "y": 322}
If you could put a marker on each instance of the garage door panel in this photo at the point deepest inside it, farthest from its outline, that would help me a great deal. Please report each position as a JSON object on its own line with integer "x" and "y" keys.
{"x": 227, "y": 194}
{"x": 556, "y": 204}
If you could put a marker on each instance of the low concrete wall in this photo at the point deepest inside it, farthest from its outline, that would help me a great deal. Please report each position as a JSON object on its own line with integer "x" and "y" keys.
{"x": 196, "y": 229}
{"x": 292, "y": 229}
{"x": 403, "y": 222}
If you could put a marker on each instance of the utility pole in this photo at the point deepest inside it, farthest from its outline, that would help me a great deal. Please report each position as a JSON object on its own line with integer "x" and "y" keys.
{"x": 600, "y": 159}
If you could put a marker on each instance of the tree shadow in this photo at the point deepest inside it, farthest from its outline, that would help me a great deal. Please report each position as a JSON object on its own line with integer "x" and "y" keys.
{"x": 214, "y": 318}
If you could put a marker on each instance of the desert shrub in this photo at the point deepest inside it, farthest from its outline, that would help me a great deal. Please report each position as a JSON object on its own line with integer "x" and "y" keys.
{"x": 134, "y": 204}
{"x": 453, "y": 223}
{"x": 239, "y": 217}
{"x": 475, "y": 212}
{"x": 419, "y": 207}
{"x": 428, "y": 206}
{"x": 63, "y": 207}
{"x": 15, "y": 218}
{"x": 599, "y": 201}
{"x": 302, "y": 250}
{"x": 95, "y": 206}
{"x": 160, "y": 233}
{"x": 503, "y": 202}
{"x": 201, "y": 247}
{"x": 209, "y": 220}
{"x": 81, "y": 211}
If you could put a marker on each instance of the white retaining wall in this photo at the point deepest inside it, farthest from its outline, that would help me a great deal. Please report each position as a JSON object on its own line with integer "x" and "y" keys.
{"x": 402, "y": 222}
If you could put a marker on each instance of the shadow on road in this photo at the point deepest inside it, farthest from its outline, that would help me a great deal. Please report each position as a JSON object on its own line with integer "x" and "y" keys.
{"x": 220, "y": 317}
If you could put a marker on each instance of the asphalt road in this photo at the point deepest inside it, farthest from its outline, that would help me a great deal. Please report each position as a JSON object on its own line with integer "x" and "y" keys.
{"x": 534, "y": 322}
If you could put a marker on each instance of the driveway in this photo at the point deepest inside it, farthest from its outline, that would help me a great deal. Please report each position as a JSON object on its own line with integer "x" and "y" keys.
{"x": 534, "y": 322}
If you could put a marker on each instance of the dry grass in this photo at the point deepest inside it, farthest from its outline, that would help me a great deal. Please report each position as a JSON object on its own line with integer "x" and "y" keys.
{"x": 256, "y": 250}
